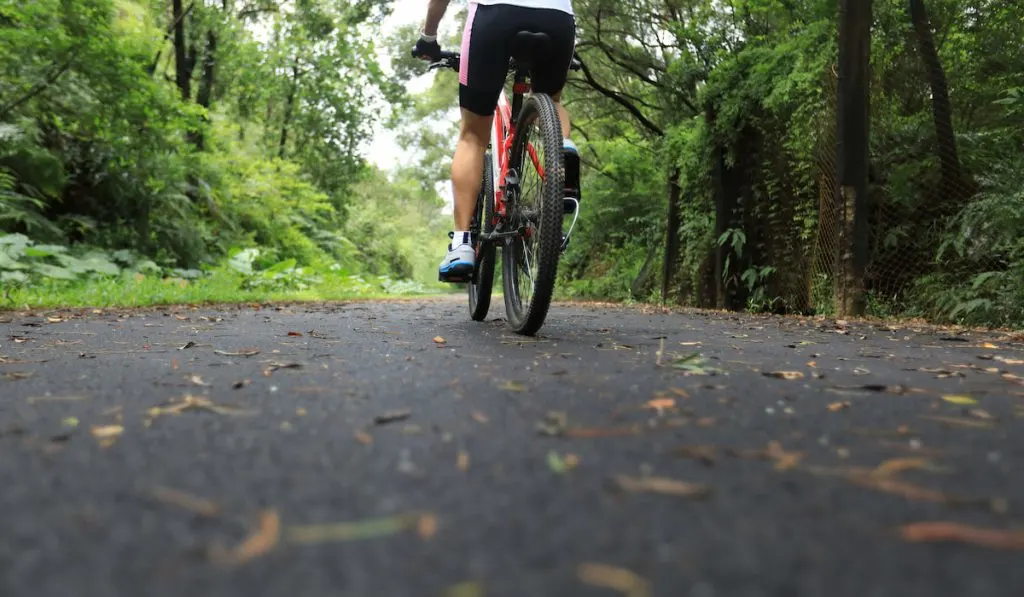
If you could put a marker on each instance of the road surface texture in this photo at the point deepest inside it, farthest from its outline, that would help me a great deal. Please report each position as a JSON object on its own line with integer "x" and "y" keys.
{"x": 386, "y": 449}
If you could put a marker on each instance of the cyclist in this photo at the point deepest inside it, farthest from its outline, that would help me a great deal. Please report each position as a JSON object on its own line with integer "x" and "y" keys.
{"x": 491, "y": 26}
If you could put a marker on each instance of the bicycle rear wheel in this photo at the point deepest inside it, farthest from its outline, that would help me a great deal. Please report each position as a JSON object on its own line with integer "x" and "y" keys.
{"x": 530, "y": 259}
{"x": 483, "y": 221}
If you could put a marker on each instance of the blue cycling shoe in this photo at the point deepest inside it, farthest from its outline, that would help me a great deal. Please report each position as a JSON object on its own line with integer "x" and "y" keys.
{"x": 457, "y": 266}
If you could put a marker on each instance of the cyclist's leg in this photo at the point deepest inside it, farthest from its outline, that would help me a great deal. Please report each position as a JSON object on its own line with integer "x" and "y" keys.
{"x": 481, "y": 75}
{"x": 549, "y": 77}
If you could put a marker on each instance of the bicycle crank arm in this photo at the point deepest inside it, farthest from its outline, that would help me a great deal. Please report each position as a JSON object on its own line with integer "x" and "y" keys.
{"x": 495, "y": 236}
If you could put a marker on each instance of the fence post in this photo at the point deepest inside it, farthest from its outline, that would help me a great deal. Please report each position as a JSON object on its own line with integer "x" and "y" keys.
{"x": 853, "y": 116}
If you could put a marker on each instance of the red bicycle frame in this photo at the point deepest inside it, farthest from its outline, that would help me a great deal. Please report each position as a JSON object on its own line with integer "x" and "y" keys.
{"x": 503, "y": 135}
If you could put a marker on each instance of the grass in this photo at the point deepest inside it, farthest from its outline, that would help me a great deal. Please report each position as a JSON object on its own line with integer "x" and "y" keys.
{"x": 219, "y": 287}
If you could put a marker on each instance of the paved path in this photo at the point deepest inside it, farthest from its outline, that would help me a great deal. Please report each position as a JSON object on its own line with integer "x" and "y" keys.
{"x": 393, "y": 449}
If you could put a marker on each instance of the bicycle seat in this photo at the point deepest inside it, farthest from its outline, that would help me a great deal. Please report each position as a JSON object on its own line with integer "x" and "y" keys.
{"x": 530, "y": 46}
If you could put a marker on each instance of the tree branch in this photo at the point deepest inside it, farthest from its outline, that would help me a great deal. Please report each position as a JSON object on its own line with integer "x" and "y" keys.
{"x": 617, "y": 98}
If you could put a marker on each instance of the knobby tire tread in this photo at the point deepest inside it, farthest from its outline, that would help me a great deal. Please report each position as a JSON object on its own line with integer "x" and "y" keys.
{"x": 481, "y": 285}
{"x": 542, "y": 108}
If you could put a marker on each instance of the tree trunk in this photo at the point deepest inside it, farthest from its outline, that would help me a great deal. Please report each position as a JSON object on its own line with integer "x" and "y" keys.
{"x": 853, "y": 154}
{"x": 671, "y": 234}
{"x": 942, "y": 109}
{"x": 205, "y": 94}
{"x": 288, "y": 109}
{"x": 182, "y": 70}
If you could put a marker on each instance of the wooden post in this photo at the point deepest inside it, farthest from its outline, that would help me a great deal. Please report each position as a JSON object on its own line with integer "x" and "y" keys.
{"x": 853, "y": 154}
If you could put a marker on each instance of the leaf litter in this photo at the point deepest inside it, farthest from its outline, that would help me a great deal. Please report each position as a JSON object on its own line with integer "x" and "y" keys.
{"x": 934, "y": 532}
{"x": 662, "y": 485}
{"x": 424, "y": 523}
{"x": 189, "y": 403}
{"x": 258, "y": 543}
{"x": 185, "y": 501}
{"x": 613, "y": 577}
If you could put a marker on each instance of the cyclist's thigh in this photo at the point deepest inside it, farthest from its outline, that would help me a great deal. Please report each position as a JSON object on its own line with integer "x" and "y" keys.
{"x": 549, "y": 75}
{"x": 484, "y": 62}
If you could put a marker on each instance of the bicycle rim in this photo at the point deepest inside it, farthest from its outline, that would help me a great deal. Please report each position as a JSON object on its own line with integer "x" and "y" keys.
{"x": 530, "y": 259}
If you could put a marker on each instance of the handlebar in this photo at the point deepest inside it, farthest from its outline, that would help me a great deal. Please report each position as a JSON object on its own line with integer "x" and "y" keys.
{"x": 451, "y": 61}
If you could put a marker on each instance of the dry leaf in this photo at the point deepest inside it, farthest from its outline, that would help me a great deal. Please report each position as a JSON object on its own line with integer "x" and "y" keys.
{"x": 426, "y": 527}
{"x": 706, "y": 455}
{"x": 898, "y": 465}
{"x": 659, "y": 404}
{"x": 259, "y": 543}
{"x": 787, "y": 375}
{"x": 679, "y": 392}
{"x": 614, "y": 578}
{"x": 107, "y": 432}
{"x": 242, "y": 353}
{"x": 392, "y": 416}
{"x": 664, "y": 486}
{"x": 480, "y": 417}
{"x": 185, "y": 501}
{"x": 295, "y": 334}
{"x": 439, "y": 340}
{"x": 462, "y": 460}
{"x": 350, "y": 531}
{"x": 955, "y": 399}
{"x": 1010, "y": 361}
{"x": 18, "y": 375}
{"x": 838, "y": 406}
{"x": 70, "y": 398}
{"x": 901, "y": 488}
{"x": 364, "y": 437}
{"x": 959, "y": 421}
{"x": 512, "y": 386}
{"x": 962, "y": 533}
{"x": 784, "y": 460}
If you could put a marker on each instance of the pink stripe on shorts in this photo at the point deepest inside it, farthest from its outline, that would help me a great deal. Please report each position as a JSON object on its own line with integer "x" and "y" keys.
{"x": 464, "y": 52}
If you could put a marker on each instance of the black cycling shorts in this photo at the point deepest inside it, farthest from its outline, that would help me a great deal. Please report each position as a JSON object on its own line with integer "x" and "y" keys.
{"x": 487, "y": 47}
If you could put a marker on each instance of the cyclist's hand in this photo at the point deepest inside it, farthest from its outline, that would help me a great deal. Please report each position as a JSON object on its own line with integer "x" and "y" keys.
{"x": 427, "y": 50}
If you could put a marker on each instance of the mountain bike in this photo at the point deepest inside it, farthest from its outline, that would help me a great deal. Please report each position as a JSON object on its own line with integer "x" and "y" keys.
{"x": 527, "y": 225}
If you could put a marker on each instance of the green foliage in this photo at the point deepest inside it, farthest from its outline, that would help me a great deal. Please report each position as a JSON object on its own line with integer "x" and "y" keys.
{"x": 116, "y": 139}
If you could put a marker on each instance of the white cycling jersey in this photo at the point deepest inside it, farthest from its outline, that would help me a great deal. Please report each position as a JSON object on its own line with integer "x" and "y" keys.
{"x": 562, "y": 5}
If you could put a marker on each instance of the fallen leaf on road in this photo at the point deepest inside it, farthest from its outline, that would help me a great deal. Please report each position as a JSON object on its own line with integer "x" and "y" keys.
{"x": 614, "y": 578}
{"x": 554, "y": 424}
{"x": 364, "y": 437}
{"x": 107, "y": 434}
{"x": 959, "y": 422}
{"x": 706, "y": 455}
{"x": 193, "y": 403}
{"x": 278, "y": 366}
{"x": 187, "y": 345}
{"x": 1009, "y": 361}
{"x": 479, "y": 417}
{"x": 69, "y": 398}
{"x": 392, "y": 416}
{"x": 439, "y": 340}
{"x": 902, "y": 488}
{"x": 512, "y": 386}
{"x": 978, "y": 413}
{"x": 241, "y": 353}
{"x": 660, "y": 404}
{"x": 694, "y": 365}
{"x": 352, "y": 531}
{"x": 426, "y": 527}
{"x": 295, "y": 334}
{"x": 70, "y": 422}
{"x": 260, "y": 542}
{"x": 784, "y": 460}
{"x": 838, "y": 406}
{"x": 930, "y": 532}
{"x": 197, "y": 380}
{"x": 560, "y": 464}
{"x": 787, "y": 375}
{"x": 18, "y": 375}
{"x": 470, "y": 588}
{"x": 185, "y": 501}
{"x": 663, "y": 486}
{"x": 462, "y": 460}
{"x": 898, "y": 465}
{"x": 955, "y": 399}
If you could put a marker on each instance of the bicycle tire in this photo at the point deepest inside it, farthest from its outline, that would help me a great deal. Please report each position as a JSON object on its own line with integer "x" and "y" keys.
{"x": 481, "y": 284}
{"x": 529, "y": 319}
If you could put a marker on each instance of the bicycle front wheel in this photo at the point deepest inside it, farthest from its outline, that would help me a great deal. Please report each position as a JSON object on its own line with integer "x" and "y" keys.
{"x": 530, "y": 259}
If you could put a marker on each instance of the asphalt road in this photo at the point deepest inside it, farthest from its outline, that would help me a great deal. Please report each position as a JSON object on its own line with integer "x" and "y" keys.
{"x": 393, "y": 449}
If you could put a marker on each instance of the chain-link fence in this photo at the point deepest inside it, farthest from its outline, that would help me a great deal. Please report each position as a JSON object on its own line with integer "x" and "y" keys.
{"x": 945, "y": 210}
